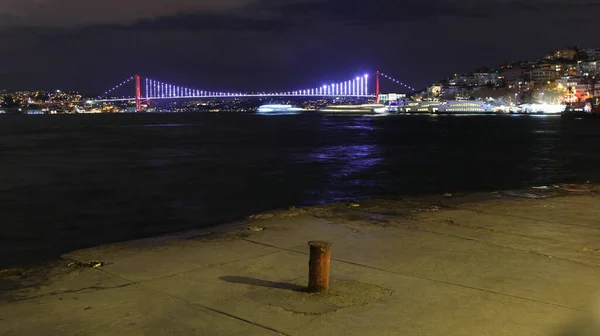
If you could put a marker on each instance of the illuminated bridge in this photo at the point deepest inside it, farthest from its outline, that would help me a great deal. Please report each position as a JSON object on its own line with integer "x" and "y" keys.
{"x": 147, "y": 89}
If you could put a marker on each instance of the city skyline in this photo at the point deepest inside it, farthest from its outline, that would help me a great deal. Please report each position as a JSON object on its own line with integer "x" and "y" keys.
{"x": 258, "y": 45}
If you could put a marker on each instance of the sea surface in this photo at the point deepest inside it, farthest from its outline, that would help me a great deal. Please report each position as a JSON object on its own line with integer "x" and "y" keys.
{"x": 74, "y": 181}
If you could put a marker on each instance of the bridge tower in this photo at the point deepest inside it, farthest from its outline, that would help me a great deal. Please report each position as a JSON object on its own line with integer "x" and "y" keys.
{"x": 377, "y": 86}
{"x": 138, "y": 93}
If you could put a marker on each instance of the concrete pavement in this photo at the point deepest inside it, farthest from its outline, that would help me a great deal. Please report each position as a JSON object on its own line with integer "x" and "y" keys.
{"x": 508, "y": 263}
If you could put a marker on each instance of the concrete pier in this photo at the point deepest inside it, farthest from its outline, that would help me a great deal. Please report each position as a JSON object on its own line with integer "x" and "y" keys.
{"x": 505, "y": 263}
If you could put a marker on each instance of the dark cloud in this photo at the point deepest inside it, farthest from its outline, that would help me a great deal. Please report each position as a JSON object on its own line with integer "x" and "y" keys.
{"x": 278, "y": 44}
{"x": 376, "y": 11}
{"x": 556, "y": 6}
{"x": 207, "y": 22}
{"x": 373, "y": 11}
{"x": 66, "y": 13}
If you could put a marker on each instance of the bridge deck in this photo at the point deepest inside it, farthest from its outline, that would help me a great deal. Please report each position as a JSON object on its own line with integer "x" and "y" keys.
{"x": 235, "y": 96}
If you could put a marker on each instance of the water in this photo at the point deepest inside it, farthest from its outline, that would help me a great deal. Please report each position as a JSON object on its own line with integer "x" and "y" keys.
{"x": 74, "y": 181}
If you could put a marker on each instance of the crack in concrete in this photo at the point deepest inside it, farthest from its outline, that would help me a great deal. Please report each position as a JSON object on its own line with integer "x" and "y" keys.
{"x": 91, "y": 288}
{"x": 432, "y": 280}
{"x": 142, "y": 285}
{"x": 529, "y": 218}
{"x": 302, "y": 313}
{"x": 560, "y": 243}
{"x": 214, "y": 310}
{"x": 500, "y": 245}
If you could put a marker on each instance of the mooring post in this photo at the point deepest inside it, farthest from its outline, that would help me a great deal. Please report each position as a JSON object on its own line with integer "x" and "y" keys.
{"x": 318, "y": 266}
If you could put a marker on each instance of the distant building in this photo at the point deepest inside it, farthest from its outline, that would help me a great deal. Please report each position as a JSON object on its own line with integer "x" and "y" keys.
{"x": 485, "y": 78}
{"x": 527, "y": 64}
{"x": 568, "y": 82}
{"x": 524, "y": 85}
{"x": 593, "y": 54}
{"x": 434, "y": 91}
{"x": 450, "y": 91}
{"x": 568, "y": 53}
{"x": 570, "y": 70}
{"x": 585, "y": 89}
{"x": 588, "y": 68}
{"x": 541, "y": 75}
{"x": 578, "y": 86}
{"x": 558, "y": 67}
{"x": 513, "y": 75}
{"x": 459, "y": 80}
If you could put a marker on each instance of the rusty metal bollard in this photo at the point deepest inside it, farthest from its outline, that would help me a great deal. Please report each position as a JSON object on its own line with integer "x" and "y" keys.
{"x": 318, "y": 266}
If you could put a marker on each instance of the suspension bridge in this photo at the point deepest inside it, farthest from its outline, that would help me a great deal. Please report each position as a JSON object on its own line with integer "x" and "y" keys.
{"x": 148, "y": 89}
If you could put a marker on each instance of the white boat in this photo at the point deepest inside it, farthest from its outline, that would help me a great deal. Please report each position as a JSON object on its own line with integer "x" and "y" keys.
{"x": 389, "y": 109}
{"x": 464, "y": 106}
{"x": 420, "y": 107}
{"x": 278, "y": 109}
{"x": 364, "y": 108}
{"x": 381, "y": 110}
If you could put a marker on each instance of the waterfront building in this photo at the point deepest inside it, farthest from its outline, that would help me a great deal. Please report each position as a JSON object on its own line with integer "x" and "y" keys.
{"x": 577, "y": 85}
{"x": 542, "y": 108}
{"x": 568, "y": 81}
{"x": 388, "y": 98}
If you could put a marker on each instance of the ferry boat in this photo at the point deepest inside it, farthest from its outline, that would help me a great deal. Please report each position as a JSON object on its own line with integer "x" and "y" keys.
{"x": 278, "y": 109}
{"x": 352, "y": 109}
{"x": 420, "y": 107}
{"x": 463, "y": 107}
{"x": 389, "y": 109}
{"x": 589, "y": 108}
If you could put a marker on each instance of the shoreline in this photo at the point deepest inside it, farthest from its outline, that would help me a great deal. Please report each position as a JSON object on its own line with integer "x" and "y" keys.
{"x": 317, "y": 210}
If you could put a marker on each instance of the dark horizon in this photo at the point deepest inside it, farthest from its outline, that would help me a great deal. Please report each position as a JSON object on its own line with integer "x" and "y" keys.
{"x": 244, "y": 45}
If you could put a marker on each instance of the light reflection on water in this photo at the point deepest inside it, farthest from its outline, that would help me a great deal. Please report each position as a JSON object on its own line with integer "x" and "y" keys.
{"x": 347, "y": 160}
{"x": 360, "y": 127}
{"x": 167, "y": 125}
{"x": 351, "y": 158}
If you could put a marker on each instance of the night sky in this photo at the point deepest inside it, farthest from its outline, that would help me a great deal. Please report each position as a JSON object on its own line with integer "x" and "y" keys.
{"x": 272, "y": 45}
